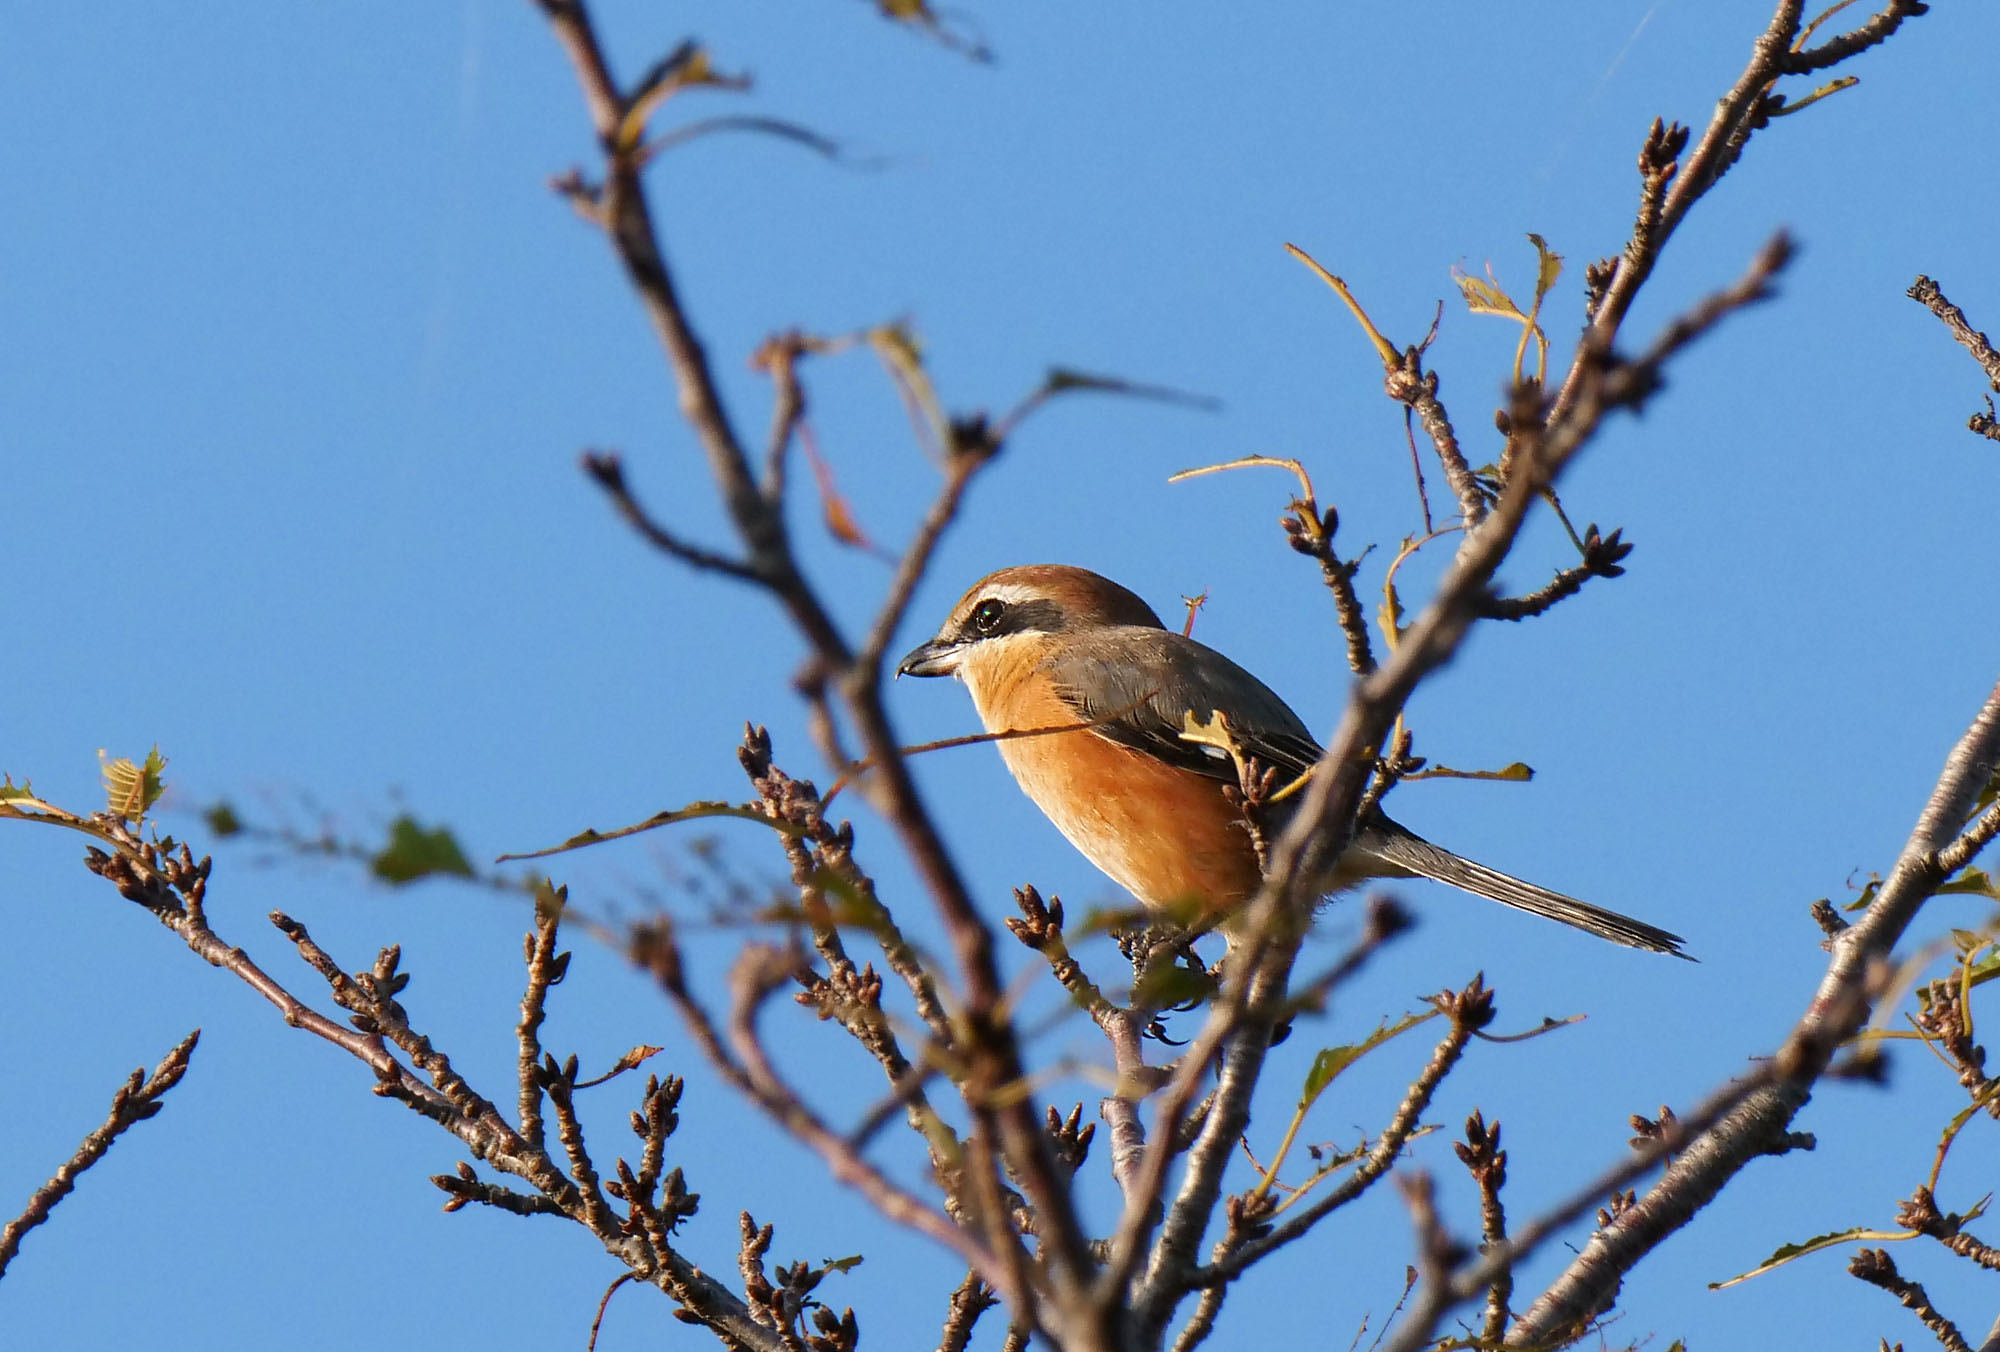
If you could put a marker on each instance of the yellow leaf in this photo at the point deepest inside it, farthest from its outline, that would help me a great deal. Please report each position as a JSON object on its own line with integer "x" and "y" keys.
{"x": 1486, "y": 296}
{"x": 1548, "y": 267}
{"x": 902, "y": 355}
{"x": 131, "y": 790}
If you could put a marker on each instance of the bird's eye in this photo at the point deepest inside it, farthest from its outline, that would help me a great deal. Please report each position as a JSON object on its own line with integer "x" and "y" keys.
{"x": 986, "y": 615}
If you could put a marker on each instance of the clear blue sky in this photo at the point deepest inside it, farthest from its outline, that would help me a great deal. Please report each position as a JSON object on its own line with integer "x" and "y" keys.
{"x": 301, "y": 351}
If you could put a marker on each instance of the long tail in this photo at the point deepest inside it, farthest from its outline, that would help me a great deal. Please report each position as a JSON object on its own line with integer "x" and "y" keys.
{"x": 1406, "y": 852}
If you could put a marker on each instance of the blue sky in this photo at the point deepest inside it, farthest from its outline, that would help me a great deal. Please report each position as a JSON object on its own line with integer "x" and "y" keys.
{"x": 301, "y": 352}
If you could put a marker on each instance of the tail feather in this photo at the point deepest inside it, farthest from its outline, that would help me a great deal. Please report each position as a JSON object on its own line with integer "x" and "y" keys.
{"x": 1404, "y": 852}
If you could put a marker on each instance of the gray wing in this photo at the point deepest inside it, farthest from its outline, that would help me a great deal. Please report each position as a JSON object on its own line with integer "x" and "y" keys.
{"x": 1151, "y": 679}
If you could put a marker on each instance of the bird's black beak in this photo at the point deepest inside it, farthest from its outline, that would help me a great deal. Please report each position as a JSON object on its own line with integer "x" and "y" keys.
{"x": 932, "y": 657}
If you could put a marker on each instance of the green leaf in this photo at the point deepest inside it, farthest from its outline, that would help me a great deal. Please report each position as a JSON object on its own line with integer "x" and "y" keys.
{"x": 9, "y": 789}
{"x": 131, "y": 790}
{"x": 847, "y": 1264}
{"x": 413, "y": 853}
{"x": 1331, "y": 1061}
{"x": 222, "y": 819}
{"x": 1786, "y": 1253}
{"x": 1548, "y": 267}
{"x": 1971, "y": 881}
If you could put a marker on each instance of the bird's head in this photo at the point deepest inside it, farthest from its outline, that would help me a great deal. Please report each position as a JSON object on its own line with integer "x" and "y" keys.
{"x": 1023, "y": 605}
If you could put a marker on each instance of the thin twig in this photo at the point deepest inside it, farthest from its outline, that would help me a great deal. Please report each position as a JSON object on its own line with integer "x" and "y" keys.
{"x": 1976, "y": 837}
{"x": 1482, "y": 1156}
{"x": 1472, "y": 1008}
{"x": 1739, "y": 113}
{"x": 972, "y": 1299}
{"x": 608, "y": 471}
{"x": 987, "y": 1040}
{"x": 597, "y": 1320}
{"x": 139, "y": 1098}
{"x": 1602, "y": 557}
{"x": 545, "y": 968}
{"x": 1323, "y": 822}
{"x": 1926, "y": 291}
{"x": 1877, "y": 1268}
{"x": 1836, "y": 50}
{"x": 743, "y": 1062}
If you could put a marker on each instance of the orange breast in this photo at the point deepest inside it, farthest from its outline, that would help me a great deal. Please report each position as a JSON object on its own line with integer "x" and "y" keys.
{"x": 1165, "y": 835}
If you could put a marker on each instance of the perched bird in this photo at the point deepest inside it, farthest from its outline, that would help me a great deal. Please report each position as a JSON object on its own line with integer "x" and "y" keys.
{"x": 1049, "y": 646}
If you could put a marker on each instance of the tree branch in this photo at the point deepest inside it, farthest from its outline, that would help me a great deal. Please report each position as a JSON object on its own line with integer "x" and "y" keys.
{"x": 1682, "y": 182}
{"x": 987, "y": 1042}
{"x": 1837, "y": 1010}
{"x": 1927, "y": 293}
{"x": 139, "y": 1098}
{"x": 1304, "y": 855}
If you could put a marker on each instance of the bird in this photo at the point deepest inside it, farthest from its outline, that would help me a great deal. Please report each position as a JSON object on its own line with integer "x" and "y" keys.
{"x": 1046, "y": 646}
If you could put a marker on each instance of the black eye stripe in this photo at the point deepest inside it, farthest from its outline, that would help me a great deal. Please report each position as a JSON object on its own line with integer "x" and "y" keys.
{"x": 992, "y": 618}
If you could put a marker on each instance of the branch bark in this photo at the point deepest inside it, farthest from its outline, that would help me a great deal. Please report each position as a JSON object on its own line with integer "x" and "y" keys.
{"x": 139, "y": 1098}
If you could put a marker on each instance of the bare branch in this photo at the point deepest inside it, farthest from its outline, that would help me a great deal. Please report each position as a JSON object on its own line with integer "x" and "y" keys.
{"x": 1310, "y": 532}
{"x": 1980, "y": 833}
{"x": 608, "y": 471}
{"x": 1877, "y": 1268}
{"x": 1419, "y": 389}
{"x": 466, "y": 1187}
{"x": 764, "y": 126}
{"x": 140, "y": 1097}
{"x": 1920, "y": 1213}
{"x": 1405, "y": 381}
{"x": 1838, "y": 1009}
{"x": 545, "y": 968}
{"x": 1836, "y": 50}
{"x": 1677, "y": 183}
{"x": 1927, "y": 293}
{"x": 742, "y": 1061}
{"x": 1471, "y": 1010}
{"x": 1603, "y": 556}
{"x": 972, "y": 1299}
{"x": 780, "y": 357}
{"x": 1239, "y": 1026}
{"x": 966, "y": 457}
{"x": 988, "y": 1041}
{"x": 1482, "y": 1156}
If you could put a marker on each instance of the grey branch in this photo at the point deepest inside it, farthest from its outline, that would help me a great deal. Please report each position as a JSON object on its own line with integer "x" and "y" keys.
{"x": 136, "y": 1100}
